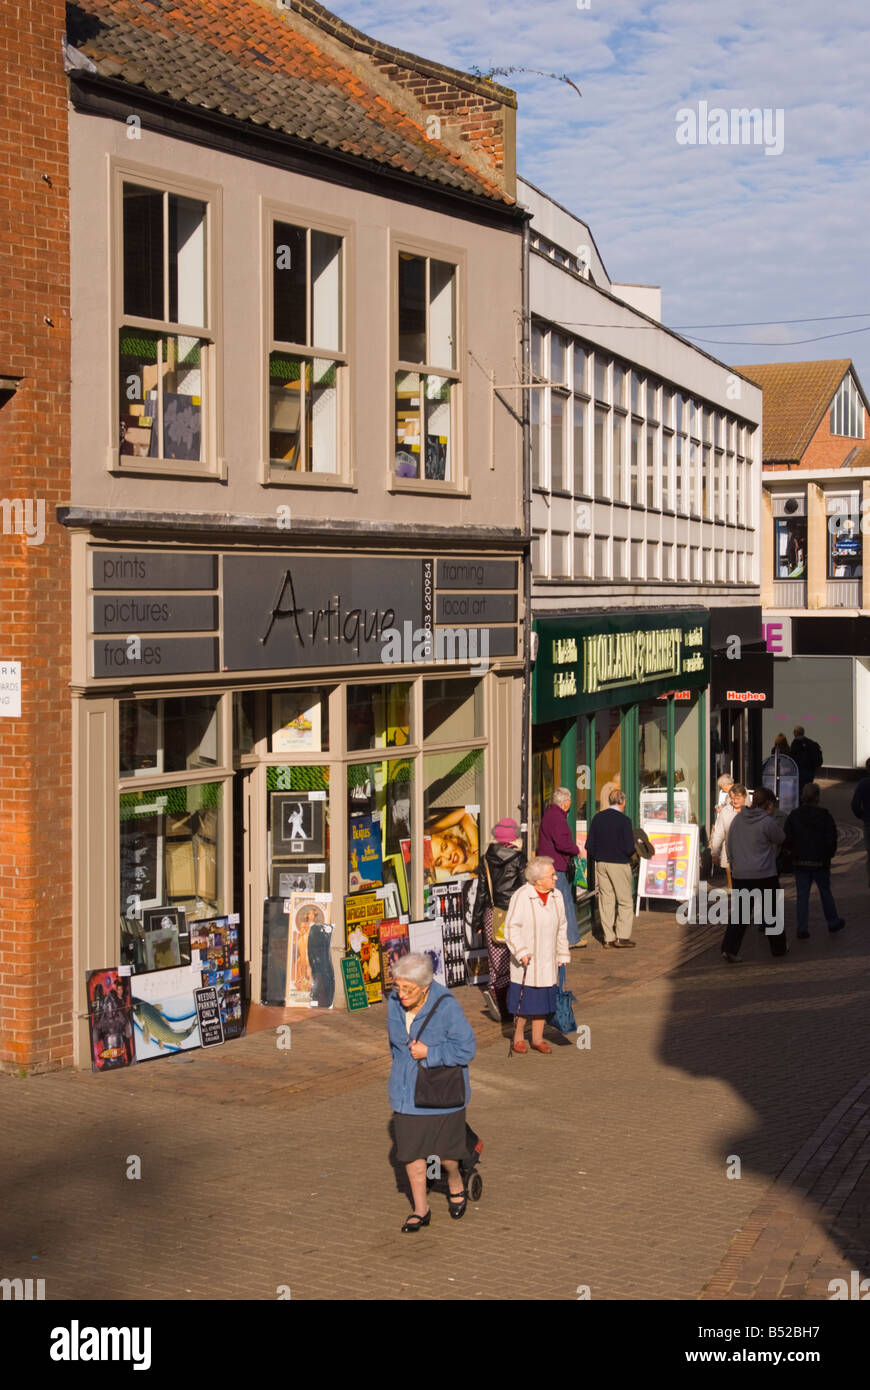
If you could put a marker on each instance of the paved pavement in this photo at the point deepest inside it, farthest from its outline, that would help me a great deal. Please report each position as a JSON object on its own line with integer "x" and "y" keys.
{"x": 612, "y": 1168}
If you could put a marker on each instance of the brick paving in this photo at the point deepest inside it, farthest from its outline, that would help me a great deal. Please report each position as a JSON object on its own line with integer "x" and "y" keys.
{"x": 605, "y": 1168}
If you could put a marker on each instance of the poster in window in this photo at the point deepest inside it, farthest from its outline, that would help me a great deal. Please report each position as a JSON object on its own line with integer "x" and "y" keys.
{"x": 296, "y": 724}
{"x": 791, "y": 547}
{"x": 395, "y": 874}
{"x": 844, "y": 555}
{"x": 364, "y": 858}
{"x": 164, "y": 1012}
{"x": 308, "y": 954}
{"x": 453, "y": 839}
{"x": 110, "y": 1019}
{"x": 141, "y": 845}
{"x": 394, "y": 943}
{"x": 297, "y": 820}
{"x": 363, "y": 914}
{"x": 426, "y": 939}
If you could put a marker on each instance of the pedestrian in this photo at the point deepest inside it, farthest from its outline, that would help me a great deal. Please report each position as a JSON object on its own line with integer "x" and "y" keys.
{"x": 724, "y": 783}
{"x": 780, "y": 746}
{"x": 811, "y": 835}
{"x": 536, "y": 932}
{"x": 718, "y": 840}
{"x": 556, "y": 842}
{"x": 807, "y": 754}
{"x": 861, "y": 810}
{"x": 751, "y": 843}
{"x": 610, "y": 845}
{"x": 418, "y": 1004}
{"x": 501, "y": 873}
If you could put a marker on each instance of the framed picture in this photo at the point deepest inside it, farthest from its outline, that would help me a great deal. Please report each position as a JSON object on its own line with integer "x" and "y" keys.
{"x": 426, "y": 939}
{"x": 162, "y": 950}
{"x": 142, "y": 840}
{"x": 110, "y": 1016}
{"x": 308, "y": 920}
{"x": 295, "y": 723}
{"x": 170, "y": 923}
{"x": 297, "y": 825}
{"x": 294, "y": 878}
{"x": 450, "y": 843}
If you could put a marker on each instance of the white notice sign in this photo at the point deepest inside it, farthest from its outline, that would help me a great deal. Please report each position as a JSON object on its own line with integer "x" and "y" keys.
{"x": 10, "y": 689}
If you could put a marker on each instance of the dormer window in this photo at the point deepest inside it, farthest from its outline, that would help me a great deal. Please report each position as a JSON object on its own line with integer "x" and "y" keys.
{"x": 847, "y": 410}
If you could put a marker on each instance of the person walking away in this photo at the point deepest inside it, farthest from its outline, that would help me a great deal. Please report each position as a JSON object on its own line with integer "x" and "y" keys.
{"x": 807, "y": 754}
{"x": 419, "y": 1003}
{"x": 556, "y": 842}
{"x": 751, "y": 842}
{"x": 610, "y": 844}
{"x": 811, "y": 835}
{"x": 861, "y": 811}
{"x": 537, "y": 934}
{"x": 780, "y": 745}
{"x": 718, "y": 847}
{"x": 501, "y": 873}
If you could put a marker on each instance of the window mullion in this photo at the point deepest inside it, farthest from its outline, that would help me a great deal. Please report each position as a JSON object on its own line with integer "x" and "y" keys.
{"x": 309, "y": 290}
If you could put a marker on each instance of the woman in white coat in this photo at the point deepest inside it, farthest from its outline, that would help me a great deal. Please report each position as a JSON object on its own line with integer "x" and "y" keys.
{"x": 536, "y": 933}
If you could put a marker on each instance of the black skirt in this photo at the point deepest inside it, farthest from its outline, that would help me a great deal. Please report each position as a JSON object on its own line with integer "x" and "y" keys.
{"x": 422, "y": 1136}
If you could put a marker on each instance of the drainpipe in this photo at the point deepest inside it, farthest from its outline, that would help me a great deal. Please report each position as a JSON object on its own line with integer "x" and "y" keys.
{"x": 527, "y": 526}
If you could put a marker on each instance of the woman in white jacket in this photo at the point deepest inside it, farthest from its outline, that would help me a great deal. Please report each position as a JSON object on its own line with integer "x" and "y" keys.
{"x": 724, "y": 820}
{"x": 536, "y": 933}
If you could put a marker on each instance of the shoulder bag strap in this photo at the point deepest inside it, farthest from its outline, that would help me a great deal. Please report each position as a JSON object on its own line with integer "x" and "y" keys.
{"x": 489, "y": 880}
{"x": 432, "y": 1011}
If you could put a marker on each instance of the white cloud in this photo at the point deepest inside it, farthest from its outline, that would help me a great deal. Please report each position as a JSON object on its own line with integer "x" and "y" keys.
{"x": 730, "y": 233}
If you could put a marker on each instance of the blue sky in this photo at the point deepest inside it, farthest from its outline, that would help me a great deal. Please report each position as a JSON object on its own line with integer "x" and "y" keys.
{"x": 730, "y": 233}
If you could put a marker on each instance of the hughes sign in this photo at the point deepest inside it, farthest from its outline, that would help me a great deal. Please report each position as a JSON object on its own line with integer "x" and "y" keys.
{"x": 587, "y": 663}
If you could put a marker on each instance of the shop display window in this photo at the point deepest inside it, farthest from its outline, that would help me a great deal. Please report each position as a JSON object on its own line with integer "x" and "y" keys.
{"x": 844, "y": 543}
{"x": 158, "y": 736}
{"x": 244, "y": 723}
{"x": 686, "y": 756}
{"x": 379, "y": 840}
{"x": 453, "y": 813}
{"x": 299, "y": 721}
{"x": 653, "y": 760}
{"x": 790, "y": 547}
{"x": 378, "y": 716}
{"x": 298, "y": 830}
{"x": 452, "y": 710}
{"x": 170, "y": 855}
{"x": 608, "y": 755}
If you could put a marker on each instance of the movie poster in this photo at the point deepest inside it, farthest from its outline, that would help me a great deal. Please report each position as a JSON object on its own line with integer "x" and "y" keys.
{"x": 394, "y": 943}
{"x": 364, "y": 854}
{"x": 110, "y": 1017}
{"x": 450, "y": 843}
{"x": 363, "y": 914}
{"x": 164, "y": 1011}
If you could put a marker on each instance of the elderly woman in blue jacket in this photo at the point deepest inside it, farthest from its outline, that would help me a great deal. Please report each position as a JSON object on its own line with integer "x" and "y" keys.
{"x": 448, "y": 1041}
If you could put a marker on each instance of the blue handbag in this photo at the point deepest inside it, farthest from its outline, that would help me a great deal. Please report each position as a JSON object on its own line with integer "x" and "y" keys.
{"x": 562, "y": 1016}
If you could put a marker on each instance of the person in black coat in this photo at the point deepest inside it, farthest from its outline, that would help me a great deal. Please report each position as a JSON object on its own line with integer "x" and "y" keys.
{"x": 861, "y": 810}
{"x": 807, "y": 754}
{"x": 811, "y": 835}
{"x": 503, "y": 867}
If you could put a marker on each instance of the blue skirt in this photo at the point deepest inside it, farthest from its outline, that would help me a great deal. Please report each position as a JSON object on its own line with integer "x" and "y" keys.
{"x": 537, "y": 1003}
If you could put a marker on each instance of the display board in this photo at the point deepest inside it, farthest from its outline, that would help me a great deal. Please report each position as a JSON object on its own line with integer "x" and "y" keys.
{"x": 673, "y": 870}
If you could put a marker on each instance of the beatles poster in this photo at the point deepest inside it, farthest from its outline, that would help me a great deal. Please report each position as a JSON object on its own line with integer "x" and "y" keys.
{"x": 110, "y": 1017}
{"x": 363, "y": 914}
{"x": 365, "y": 864}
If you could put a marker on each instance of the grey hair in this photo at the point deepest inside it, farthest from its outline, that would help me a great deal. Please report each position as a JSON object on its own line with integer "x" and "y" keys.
{"x": 616, "y": 798}
{"x": 537, "y": 867}
{"x": 417, "y": 968}
{"x": 561, "y": 794}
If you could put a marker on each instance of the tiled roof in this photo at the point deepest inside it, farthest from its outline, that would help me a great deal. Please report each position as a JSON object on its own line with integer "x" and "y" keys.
{"x": 796, "y": 396}
{"x": 248, "y": 60}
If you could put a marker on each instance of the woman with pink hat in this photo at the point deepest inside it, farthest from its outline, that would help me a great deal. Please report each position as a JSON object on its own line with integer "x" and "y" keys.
{"x": 500, "y": 874}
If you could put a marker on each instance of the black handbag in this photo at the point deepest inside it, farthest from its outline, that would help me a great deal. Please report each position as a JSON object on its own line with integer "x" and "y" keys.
{"x": 438, "y": 1088}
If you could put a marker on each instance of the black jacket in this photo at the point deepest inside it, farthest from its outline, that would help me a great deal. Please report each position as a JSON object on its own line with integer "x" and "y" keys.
{"x": 808, "y": 756}
{"x": 507, "y": 869}
{"x": 811, "y": 834}
{"x": 861, "y": 800}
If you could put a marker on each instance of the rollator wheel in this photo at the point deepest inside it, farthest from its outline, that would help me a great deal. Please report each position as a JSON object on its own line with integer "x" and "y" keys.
{"x": 475, "y": 1187}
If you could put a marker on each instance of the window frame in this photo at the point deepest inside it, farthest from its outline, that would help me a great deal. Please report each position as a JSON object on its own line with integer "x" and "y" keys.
{"x": 271, "y": 474}
{"x": 212, "y": 466}
{"x": 459, "y": 484}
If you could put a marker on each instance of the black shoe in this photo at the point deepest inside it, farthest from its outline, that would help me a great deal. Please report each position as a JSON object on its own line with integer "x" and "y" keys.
{"x": 457, "y": 1211}
{"x": 838, "y": 926}
{"x": 414, "y": 1222}
{"x": 624, "y": 943}
{"x": 731, "y": 958}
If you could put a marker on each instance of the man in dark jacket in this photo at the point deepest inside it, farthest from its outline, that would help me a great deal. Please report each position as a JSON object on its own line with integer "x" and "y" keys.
{"x": 556, "y": 842}
{"x": 807, "y": 754}
{"x": 811, "y": 835}
{"x": 861, "y": 809}
{"x": 610, "y": 844}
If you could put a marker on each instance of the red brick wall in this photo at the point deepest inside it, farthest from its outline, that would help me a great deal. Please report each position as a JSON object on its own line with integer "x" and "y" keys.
{"x": 36, "y": 1014}
{"x": 476, "y": 119}
{"x": 826, "y": 450}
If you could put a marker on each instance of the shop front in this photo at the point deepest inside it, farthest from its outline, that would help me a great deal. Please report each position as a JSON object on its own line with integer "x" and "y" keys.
{"x": 255, "y": 728}
{"x": 619, "y": 700}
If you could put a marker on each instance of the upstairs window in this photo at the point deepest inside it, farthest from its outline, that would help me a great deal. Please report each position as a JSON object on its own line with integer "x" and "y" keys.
{"x": 165, "y": 327}
{"x": 847, "y": 410}
{"x": 426, "y": 376}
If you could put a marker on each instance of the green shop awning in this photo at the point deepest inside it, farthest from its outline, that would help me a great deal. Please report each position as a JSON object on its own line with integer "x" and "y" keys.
{"x": 595, "y": 661}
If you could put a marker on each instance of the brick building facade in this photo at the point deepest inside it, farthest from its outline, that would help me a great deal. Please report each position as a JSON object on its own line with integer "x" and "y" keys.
{"x": 35, "y": 748}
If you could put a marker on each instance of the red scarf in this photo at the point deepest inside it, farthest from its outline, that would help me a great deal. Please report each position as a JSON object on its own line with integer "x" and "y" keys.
{"x": 543, "y": 896}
